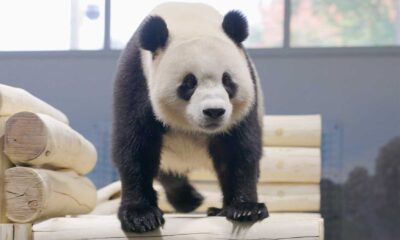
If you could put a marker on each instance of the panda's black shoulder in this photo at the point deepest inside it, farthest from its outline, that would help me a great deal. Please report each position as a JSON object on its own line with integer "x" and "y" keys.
{"x": 131, "y": 94}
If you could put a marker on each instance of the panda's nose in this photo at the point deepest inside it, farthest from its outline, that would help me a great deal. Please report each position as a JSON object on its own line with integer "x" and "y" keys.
{"x": 214, "y": 113}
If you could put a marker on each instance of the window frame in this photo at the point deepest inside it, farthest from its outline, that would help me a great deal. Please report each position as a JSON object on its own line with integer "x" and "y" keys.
{"x": 284, "y": 51}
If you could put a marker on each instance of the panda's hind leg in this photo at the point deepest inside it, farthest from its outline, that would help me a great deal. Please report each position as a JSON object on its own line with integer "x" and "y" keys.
{"x": 180, "y": 193}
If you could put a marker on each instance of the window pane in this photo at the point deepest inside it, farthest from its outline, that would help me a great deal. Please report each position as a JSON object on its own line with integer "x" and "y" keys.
{"x": 265, "y": 19}
{"x": 336, "y": 23}
{"x": 51, "y": 25}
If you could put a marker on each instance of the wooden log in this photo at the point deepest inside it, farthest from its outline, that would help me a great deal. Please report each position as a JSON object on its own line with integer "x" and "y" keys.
{"x": 188, "y": 227}
{"x": 6, "y": 232}
{"x": 14, "y": 100}
{"x": 277, "y": 197}
{"x": 297, "y": 130}
{"x": 33, "y": 194}
{"x": 39, "y": 140}
{"x": 280, "y": 164}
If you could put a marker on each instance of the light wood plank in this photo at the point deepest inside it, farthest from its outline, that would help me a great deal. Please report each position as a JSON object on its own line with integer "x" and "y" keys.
{"x": 277, "y": 226}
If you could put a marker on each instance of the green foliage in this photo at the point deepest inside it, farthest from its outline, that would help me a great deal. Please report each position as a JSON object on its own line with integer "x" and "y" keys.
{"x": 355, "y": 22}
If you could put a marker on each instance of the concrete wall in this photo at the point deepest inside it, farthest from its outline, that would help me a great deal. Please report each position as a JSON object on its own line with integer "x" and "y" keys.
{"x": 360, "y": 93}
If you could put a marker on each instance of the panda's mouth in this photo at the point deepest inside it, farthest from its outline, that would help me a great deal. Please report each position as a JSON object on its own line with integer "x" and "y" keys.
{"x": 212, "y": 126}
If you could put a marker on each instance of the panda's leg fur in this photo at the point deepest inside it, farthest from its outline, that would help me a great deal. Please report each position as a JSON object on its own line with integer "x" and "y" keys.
{"x": 236, "y": 158}
{"x": 180, "y": 193}
{"x": 136, "y": 145}
{"x": 137, "y": 152}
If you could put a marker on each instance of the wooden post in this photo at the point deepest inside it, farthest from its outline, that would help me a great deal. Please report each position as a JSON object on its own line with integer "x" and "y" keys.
{"x": 33, "y": 194}
{"x": 39, "y": 140}
{"x": 22, "y": 231}
{"x": 4, "y": 164}
{"x": 6, "y": 232}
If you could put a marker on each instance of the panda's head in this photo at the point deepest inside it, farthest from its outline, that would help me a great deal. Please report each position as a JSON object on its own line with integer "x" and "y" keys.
{"x": 198, "y": 82}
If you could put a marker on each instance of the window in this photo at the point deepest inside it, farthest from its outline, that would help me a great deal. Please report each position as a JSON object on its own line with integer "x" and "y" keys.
{"x": 265, "y": 19}
{"x": 44, "y": 25}
{"x": 339, "y": 23}
{"x": 47, "y": 25}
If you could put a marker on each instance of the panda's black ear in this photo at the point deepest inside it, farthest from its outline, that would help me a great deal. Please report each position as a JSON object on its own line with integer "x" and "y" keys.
{"x": 153, "y": 33}
{"x": 235, "y": 26}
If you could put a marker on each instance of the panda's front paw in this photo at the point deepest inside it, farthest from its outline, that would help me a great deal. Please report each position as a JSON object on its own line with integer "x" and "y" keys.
{"x": 140, "y": 219}
{"x": 245, "y": 211}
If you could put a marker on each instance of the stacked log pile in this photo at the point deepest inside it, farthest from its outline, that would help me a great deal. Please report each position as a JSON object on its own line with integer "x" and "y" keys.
{"x": 43, "y": 161}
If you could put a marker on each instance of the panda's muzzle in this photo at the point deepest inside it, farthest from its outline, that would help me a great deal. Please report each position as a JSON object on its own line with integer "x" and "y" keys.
{"x": 213, "y": 117}
{"x": 214, "y": 113}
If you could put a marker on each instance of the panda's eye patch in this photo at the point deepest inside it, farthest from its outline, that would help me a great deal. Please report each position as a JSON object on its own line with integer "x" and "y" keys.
{"x": 188, "y": 86}
{"x": 229, "y": 85}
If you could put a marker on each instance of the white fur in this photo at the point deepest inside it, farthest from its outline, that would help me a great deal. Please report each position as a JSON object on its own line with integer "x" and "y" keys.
{"x": 196, "y": 44}
{"x": 184, "y": 151}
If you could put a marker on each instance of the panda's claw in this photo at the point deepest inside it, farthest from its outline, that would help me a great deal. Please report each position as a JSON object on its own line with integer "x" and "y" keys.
{"x": 140, "y": 219}
{"x": 246, "y": 211}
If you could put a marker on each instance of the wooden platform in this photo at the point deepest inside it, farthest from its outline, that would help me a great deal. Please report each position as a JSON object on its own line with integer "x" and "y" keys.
{"x": 299, "y": 226}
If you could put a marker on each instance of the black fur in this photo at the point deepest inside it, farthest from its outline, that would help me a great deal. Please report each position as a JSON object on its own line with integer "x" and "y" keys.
{"x": 236, "y": 158}
{"x": 235, "y": 26}
{"x": 229, "y": 85}
{"x": 180, "y": 193}
{"x": 137, "y": 141}
{"x": 154, "y": 33}
{"x": 187, "y": 88}
{"x": 136, "y": 144}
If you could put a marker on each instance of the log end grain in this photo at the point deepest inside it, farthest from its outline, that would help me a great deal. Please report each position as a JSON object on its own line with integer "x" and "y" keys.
{"x": 25, "y": 137}
{"x": 25, "y": 194}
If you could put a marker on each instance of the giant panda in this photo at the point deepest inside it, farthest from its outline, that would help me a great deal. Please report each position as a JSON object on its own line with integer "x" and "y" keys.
{"x": 186, "y": 96}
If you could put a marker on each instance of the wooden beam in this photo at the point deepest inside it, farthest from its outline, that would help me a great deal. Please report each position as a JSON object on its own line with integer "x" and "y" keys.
{"x": 277, "y": 197}
{"x": 292, "y": 130}
{"x": 280, "y": 164}
{"x": 33, "y": 194}
{"x": 39, "y": 140}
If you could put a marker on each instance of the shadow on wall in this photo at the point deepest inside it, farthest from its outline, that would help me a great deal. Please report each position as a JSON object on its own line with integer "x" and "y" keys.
{"x": 365, "y": 207}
